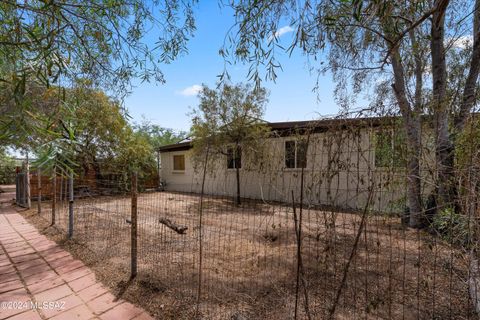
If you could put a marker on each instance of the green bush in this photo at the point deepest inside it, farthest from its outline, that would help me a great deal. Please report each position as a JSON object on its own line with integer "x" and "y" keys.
{"x": 7, "y": 170}
{"x": 452, "y": 227}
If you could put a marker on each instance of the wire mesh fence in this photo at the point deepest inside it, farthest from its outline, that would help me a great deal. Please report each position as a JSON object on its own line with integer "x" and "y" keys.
{"x": 317, "y": 233}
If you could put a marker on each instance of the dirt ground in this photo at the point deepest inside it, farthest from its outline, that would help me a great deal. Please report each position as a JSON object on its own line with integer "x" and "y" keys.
{"x": 249, "y": 260}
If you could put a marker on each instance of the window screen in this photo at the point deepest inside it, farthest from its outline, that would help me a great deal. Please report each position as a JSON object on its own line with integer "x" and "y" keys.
{"x": 295, "y": 154}
{"x": 179, "y": 162}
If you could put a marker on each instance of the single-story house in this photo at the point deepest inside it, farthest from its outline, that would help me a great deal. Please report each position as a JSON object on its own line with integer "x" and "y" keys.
{"x": 344, "y": 161}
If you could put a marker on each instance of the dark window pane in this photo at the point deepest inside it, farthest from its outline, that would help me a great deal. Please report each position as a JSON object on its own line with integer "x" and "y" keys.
{"x": 290, "y": 154}
{"x": 230, "y": 158}
{"x": 238, "y": 158}
{"x": 302, "y": 154}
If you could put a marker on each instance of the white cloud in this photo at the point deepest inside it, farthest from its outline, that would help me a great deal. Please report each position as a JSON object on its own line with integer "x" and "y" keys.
{"x": 190, "y": 91}
{"x": 280, "y": 32}
{"x": 462, "y": 42}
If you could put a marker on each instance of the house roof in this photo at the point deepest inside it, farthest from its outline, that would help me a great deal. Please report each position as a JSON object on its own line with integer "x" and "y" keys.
{"x": 176, "y": 146}
{"x": 330, "y": 123}
{"x": 292, "y": 127}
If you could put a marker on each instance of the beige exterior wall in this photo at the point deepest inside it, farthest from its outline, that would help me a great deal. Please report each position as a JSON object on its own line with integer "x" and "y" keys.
{"x": 340, "y": 172}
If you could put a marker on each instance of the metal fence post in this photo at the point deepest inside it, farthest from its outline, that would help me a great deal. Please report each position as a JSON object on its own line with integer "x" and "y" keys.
{"x": 70, "y": 206}
{"x": 133, "y": 232}
{"x": 27, "y": 182}
{"x": 17, "y": 189}
{"x": 61, "y": 190}
{"x": 54, "y": 194}
{"x": 158, "y": 169}
{"x": 39, "y": 191}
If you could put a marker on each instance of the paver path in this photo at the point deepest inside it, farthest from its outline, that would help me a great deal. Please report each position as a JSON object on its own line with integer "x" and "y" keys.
{"x": 40, "y": 280}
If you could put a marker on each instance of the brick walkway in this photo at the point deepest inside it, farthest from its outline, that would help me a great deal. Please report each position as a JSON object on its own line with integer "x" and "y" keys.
{"x": 39, "y": 280}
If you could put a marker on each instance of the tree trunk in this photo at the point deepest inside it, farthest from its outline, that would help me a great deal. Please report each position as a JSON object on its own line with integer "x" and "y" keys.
{"x": 413, "y": 128}
{"x": 237, "y": 171}
{"x": 443, "y": 144}
{"x": 178, "y": 228}
{"x": 412, "y": 125}
{"x": 414, "y": 194}
{"x": 445, "y": 162}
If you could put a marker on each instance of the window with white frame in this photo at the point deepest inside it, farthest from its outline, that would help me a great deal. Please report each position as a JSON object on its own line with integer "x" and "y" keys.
{"x": 295, "y": 154}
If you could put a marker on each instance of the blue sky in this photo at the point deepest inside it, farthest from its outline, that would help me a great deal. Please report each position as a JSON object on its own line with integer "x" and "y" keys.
{"x": 291, "y": 97}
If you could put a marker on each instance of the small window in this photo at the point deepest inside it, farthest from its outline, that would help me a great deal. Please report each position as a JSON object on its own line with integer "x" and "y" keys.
{"x": 179, "y": 162}
{"x": 295, "y": 154}
{"x": 234, "y": 158}
{"x": 389, "y": 149}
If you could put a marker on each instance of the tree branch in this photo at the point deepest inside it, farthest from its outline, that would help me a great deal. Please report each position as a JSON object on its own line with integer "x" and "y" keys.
{"x": 468, "y": 97}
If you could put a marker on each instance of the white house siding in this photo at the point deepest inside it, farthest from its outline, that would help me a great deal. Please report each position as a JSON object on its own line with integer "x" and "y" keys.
{"x": 340, "y": 172}
{"x": 177, "y": 180}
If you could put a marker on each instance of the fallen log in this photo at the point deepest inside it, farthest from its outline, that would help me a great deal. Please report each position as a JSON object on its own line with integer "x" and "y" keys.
{"x": 175, "y": 227}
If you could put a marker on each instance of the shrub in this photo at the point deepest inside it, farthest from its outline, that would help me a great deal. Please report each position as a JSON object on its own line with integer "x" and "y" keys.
{"x": 452, "y": 227}
{"x": 7, "y": 170}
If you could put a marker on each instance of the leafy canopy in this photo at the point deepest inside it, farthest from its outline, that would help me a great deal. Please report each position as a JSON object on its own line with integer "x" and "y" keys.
{"x": 102, "y": 43}
{"x": 103, "y": 136}
{"x": 230, "y": 116}
{"x": 156, "y": 135}
{"x": 356, "y": 41}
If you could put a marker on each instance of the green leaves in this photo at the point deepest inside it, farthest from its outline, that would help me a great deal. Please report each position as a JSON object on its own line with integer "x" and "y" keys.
{"x": 7, "y": 168}
{"x": 156, "y": 135}
{"x": 229, "y": 115}
{"x": 19, "y": 90}
{"x": 55, "y": 43}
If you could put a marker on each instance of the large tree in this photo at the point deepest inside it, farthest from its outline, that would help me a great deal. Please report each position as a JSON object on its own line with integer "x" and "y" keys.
{"x": 228, "y": 122}
{"x": 402, "y": 49}
{"x": 157, "y": 135}
{"x": 93, "y": 133}
{"x": 58, "y": 43}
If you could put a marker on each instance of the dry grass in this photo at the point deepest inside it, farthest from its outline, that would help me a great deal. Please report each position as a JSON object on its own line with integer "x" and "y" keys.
{"x": 249, "y": 260}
